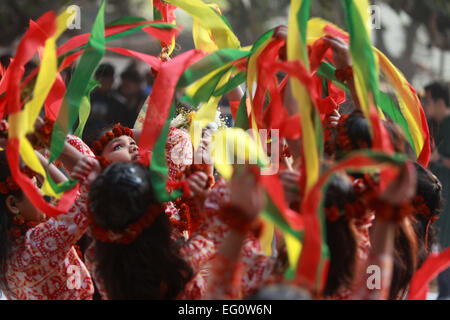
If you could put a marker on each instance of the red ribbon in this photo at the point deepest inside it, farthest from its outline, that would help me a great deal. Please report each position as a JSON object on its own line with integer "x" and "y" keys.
{"x": 33, "y": 39}
{"x": 165, "y": 36}
{"x": 82, "y": 39}
{"x": 433, "y": 265}
{"x": 161, "y": 97}
{"x": 312, "y": 240}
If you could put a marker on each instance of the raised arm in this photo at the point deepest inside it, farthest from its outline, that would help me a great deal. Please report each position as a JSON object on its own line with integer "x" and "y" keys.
{"x": 343, "y": 61}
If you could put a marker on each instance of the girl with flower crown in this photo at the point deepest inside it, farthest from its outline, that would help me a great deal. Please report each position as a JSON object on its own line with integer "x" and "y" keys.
{"x": 133, "y": 257}
{"x": 38, "y": 257}
{"x": 119, "y": 145}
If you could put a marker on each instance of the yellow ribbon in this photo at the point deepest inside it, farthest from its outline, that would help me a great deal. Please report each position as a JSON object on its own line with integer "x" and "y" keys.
{"x": 22, "y": 122}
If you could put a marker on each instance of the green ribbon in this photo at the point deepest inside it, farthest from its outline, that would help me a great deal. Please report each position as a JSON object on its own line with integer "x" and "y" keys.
{"x": 85, "y": 108}
{"x": 242, "y": 120}
{"x": 76, "y": 89}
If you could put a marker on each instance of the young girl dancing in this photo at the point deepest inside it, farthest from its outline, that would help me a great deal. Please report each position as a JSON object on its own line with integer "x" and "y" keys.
{"x": 38, "y": 259}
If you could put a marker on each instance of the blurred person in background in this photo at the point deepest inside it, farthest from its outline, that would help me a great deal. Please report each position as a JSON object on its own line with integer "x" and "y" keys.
{"x": 437, "y": 108}
{"x": 103, "y": 102}
{"x": 131, "y": 94}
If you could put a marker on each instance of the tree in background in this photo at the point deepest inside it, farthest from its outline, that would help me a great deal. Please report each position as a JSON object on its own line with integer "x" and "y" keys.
{"x": 250, "y": 18}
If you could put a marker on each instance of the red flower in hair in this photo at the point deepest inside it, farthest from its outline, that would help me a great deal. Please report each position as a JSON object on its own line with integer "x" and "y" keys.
{"x": 131, "y": 232}
{"x": 110, "y": 135}
{"x": 117, "y": 131}
{"x": 18, "y": 219}
{"x": 3, "y": 188}
{"x": 420, "y": 206}
{"x": 332, "y": 213}
{"x": 11, "y": 184}
{"x": 97, "y": 145}
{"x": 103, "y": 162}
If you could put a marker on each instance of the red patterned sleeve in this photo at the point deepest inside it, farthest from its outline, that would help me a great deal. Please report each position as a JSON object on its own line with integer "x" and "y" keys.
{"x": 75, "y": 142}
{"x": 257, "y": 266}
{"x": 179, "y": 151}
{"x": 79, "y": 145}
{"x": 44, "y": 264}
{"x": 225, "y": 279}
{"x": 49, "y": 242}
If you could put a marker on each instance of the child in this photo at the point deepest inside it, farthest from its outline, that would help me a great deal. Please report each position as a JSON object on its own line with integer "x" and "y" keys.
{"x": 132, "y": 256}
{"x": 119, "y": 144}
{"x": 38, "y": 259}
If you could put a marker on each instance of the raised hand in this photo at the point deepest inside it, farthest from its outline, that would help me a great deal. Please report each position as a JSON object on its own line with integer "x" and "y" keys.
{"x": 197, "y": 182}
{"x": 341, "y": 52}
{"x": 246, "y": 194}
{"x": 332, "y": 119}
{"x": 87, "y": 169}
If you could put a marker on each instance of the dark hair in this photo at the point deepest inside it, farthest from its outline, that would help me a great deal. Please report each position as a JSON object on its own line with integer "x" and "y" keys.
{"x": 439, "y": 91}
{"x": 149, "y": 267}
{"x": 341, "y": 237}
{"x": 5, "y": 222}
{"x": 132, "y": 75}
{"x": 105, "y": 70}
{"x": 430, "y": 188}
{"x": 5, "y": 60}
{"x": 399, "y": 142}
{"x": 410, "y": 249}
{"x": 405, "y": 258}
{"x": 358, "y": 129}
{"x": 359, "y": 134}
{"x": 90, "y": 137}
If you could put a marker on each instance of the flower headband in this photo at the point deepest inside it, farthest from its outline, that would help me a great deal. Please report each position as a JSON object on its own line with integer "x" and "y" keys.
{"x": 131, "y": 232}
{"x": 9, "y": 185}
{"x": 365, "y": 189}
{"x": 343, "y": 140}
{"x": 117, "y": 131}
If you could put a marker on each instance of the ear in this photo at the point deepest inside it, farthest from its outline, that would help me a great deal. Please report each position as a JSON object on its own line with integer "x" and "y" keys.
{"x": 11, "y": 204}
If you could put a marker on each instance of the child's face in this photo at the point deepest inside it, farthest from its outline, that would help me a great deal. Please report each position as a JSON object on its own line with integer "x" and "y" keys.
{"x": 123, "y": 149}
{"x": 28, "y": 210}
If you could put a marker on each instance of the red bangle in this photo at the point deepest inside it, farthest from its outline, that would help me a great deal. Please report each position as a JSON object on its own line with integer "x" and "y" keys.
{"x": 344, "y": 74}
